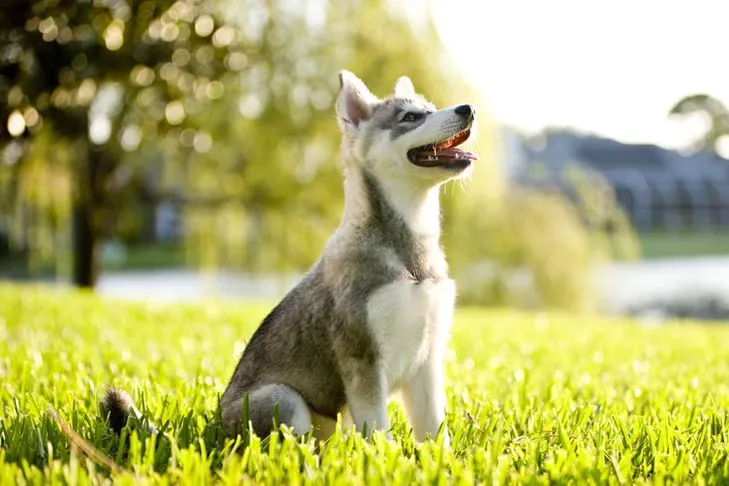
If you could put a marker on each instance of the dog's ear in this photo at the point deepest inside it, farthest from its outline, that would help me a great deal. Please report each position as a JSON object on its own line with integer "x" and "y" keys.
{"x": 354, "y": 103}
{"x": 404, "y": 87}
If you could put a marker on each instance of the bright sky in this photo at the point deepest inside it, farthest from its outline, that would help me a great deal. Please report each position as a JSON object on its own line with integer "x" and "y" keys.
{"x": 611, "y": 67}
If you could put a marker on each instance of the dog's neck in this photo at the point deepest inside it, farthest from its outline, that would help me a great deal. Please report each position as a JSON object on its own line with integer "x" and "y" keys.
{"x": 394, "y": 221}
{"x": 417, "y": 207}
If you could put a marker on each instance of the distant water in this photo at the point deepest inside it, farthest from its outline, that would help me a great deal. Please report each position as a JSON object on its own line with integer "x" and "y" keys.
{"x": 189, "y": 285}
{"x": 667, "y": 286}
{"x": 623, "y": 287}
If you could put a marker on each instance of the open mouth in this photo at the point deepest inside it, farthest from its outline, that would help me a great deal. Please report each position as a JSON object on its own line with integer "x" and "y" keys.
{"x": 443, "y": 154}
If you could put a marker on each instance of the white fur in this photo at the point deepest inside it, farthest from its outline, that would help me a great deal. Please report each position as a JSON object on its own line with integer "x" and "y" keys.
{"x": 417, "y": 203}
{"x": 353, "y": 102}
{"x": 387, "y": 158}
{"x": 301, "y": 421}
{"x": 369, "y": 409}
{"x": 425, "y": 400}
{"x": 409, "y": 320}
{"x": 404, "y": 87}
{"x": 411, "y": 323}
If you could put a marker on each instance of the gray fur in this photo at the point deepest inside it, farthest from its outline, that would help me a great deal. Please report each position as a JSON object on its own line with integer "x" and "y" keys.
{"x": 388, "y": 230}
{"x": 316, "y": 351}
{"x": 265, "y": 401}
{"x": 327, "y": 311}
{"x": 316, "y": 347}
{"x": 118, "y": 407}
{"x": 386, "y": 116}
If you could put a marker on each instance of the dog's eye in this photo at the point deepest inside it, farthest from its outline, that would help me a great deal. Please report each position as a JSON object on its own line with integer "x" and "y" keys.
{"x": 412, "y": 116}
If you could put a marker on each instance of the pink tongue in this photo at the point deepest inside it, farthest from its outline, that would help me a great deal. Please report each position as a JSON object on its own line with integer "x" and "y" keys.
{"x": 456, "y": 153}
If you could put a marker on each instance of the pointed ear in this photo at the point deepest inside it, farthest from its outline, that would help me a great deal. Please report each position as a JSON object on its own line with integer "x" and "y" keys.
{"x": 354, "y": 103}
{"x": 404, "y": 87}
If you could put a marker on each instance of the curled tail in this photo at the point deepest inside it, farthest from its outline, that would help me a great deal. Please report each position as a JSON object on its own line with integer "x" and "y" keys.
{"x": 119, "y": 406}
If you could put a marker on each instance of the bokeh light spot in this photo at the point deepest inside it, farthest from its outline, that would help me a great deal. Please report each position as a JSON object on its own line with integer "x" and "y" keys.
{"x": 204, "y": 25}
{"x": 16, "y": 124}
{"x": 203, "y": 143}
{"x": 175, "y": 112}
{"x": 114, "y": 35}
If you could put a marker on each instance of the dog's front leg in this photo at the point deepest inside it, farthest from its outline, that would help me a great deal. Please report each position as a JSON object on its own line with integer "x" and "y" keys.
{"x": 366, "y": 390}
{"x": 425, "y": 401}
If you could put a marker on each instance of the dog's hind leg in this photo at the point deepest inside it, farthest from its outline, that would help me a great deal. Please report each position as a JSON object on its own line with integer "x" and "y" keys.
{"x": 262, "y": 401}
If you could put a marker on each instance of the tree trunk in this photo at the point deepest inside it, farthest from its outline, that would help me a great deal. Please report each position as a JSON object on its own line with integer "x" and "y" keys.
{"x": 85, "y": 261}
{"x": 85, "y": 226}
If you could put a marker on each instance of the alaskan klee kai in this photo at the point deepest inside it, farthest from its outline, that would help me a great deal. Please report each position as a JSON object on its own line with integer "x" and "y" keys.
{"x": 373, "y": 315}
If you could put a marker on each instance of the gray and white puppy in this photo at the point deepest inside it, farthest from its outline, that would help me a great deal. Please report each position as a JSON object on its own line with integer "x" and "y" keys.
{"x": 373, "y": 315}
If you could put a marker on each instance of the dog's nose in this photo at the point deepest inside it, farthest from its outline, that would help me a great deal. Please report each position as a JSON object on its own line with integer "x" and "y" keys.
{"x": 466, "y": 111}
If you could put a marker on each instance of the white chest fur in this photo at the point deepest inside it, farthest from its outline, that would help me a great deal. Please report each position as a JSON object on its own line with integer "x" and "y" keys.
{"x": 410, "y": 322}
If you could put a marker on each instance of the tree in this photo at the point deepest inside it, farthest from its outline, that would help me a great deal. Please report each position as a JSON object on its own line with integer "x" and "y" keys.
{"x": 227, "y": 102}
{"x": 715, "y": 112}
{"x": 227, "y": 107}
{"x": 97, "y": 79}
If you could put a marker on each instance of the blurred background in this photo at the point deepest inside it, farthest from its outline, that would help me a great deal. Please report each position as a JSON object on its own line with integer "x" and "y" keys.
{"x": 178, "y": 150}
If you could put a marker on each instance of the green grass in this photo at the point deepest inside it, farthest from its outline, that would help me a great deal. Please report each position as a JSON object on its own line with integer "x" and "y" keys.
{"x": 137, "y": 257}
{"x": 533, "y": 398}
{"x": 660, "y": 244}
{"x": 151, "y": 256}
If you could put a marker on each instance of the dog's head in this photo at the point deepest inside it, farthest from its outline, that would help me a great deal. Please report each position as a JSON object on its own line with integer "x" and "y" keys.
{"x": 403, "y": 136}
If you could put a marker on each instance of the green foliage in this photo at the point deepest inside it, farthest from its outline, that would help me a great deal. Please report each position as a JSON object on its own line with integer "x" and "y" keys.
{"x": 41, "y": 226}
{"x": 103, "y": 78}
{"x": 226, "y": 109}
{"x": 226, "y": 106}
{"x": 531, "y": 247}
{"x": 288, "y": 180}
{"x": 533, "y": 398}
{"x": 716, "y": 115}
{"x": 665, "y": 244}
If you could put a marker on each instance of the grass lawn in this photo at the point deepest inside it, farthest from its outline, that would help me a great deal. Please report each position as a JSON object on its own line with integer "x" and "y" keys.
{"x": 660, "y": 244}
{"x": 137, "y": 257}
{"x": 150, "y": 257}
{"x": 533, "y": 398}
